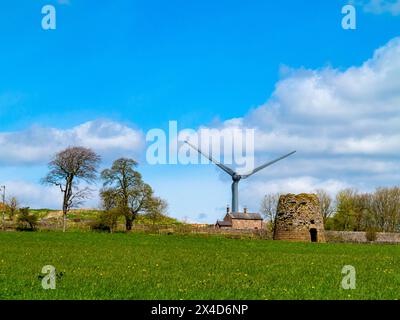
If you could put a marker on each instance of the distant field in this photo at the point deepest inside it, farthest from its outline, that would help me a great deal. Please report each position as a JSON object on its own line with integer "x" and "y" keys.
{"x": 54, "y": 218}
{"x": 140, "y": 266}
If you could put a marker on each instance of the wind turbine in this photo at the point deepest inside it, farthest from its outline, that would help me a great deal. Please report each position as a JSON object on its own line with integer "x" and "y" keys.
{"x": 236, "y": 177}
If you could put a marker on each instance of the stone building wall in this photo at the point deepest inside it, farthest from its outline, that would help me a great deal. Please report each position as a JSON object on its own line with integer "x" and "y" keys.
{"x": 228, "y": 218}
{"x": 247, "y": 224}
{"x": 296, "y": 215}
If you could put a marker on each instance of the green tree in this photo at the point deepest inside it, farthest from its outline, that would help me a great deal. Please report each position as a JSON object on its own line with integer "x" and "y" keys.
{"x": 378, "y": 211}
{"x": 345, "y": 214}
{"x": 156, "y": 209}
{"x": 352, "y": 211}
{"x": 107, "y": 220}
{"x": 26, "y": 221}
{"x": 124, "y": 188}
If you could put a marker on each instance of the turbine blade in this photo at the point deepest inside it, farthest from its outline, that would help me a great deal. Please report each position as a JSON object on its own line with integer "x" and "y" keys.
{"x": 266, "y": 165}
{"x": 223, "y": 167}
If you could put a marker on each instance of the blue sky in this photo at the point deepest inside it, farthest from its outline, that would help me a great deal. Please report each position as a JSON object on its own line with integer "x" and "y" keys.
{"x": 135, "y": 65}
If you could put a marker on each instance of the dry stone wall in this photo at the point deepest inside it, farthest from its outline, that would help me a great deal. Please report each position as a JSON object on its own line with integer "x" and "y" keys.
{"x": 360, "y": 237}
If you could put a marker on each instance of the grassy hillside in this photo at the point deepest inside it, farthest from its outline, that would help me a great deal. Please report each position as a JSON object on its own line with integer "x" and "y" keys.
{"x": 140, "y": 266}
{"x": 92, "y": 214}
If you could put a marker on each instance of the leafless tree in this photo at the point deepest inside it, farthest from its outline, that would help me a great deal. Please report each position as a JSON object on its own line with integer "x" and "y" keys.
{"x": 385, "y": 208}
{"x": 67, "y": 168}
{"x": 269, "y": 207}
{"x": 326, "y": 204}
{"x": 12, "y": 207}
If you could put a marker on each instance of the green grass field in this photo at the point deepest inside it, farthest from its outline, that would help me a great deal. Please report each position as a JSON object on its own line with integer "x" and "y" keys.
{"x": 142, "y": 266}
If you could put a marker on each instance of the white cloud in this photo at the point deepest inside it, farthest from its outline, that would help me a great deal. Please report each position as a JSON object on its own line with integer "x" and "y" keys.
{"x": 345, "y": 125}
{"x": 330, "y": 113}
{"x": 381, "y": 6}
{"x": 308, "y": 184}
{"x": 335, "y": 113}
{"x": 36, "y": 145}
{"x": 34, "y": 195}
{"x": 39, "y": 196}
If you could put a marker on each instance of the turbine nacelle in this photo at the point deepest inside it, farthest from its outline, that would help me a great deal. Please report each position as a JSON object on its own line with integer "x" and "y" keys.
{"x": 236, "y": 177}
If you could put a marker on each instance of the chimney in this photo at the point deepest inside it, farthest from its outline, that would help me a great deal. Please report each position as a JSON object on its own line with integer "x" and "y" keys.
{"x": 228, "y": 209}
{"x": 245, "y": 209}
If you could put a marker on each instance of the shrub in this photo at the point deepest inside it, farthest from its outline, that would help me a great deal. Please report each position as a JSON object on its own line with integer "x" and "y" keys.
{"x": 168, "y": 231}
{"x": 107, "y": 221}
{"x": 370, "y": 234}
{"x": 26, "y": 221}
{"x": 99, "y": 226}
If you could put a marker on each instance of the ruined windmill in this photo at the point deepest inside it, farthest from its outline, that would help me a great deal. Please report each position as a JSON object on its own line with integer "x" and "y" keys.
{"x": 299, "y": 219}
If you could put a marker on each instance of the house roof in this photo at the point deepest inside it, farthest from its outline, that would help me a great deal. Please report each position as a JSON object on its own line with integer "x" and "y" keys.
{"x": 224, "y": 223}
{"x": 245, "y": 216}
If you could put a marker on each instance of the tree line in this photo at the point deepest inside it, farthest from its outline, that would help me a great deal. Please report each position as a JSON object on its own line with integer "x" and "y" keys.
{"x": 351, "y": 210}
{"x": 124, "y": 193}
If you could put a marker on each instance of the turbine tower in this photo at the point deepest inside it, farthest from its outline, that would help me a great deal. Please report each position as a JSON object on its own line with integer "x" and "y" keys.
{"x": 237, "y": 177}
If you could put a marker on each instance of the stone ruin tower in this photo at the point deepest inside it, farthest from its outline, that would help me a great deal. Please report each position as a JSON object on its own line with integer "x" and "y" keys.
{"x": 299, "y": 219}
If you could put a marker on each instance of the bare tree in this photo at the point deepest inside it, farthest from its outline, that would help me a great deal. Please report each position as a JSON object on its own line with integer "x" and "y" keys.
{"x": 269, "y": 206}
{"x": 12, "y": 207}
{"x": 326, "y": 204}
{"x": 67, "y": 168}
{"x": 385, "y": 209}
